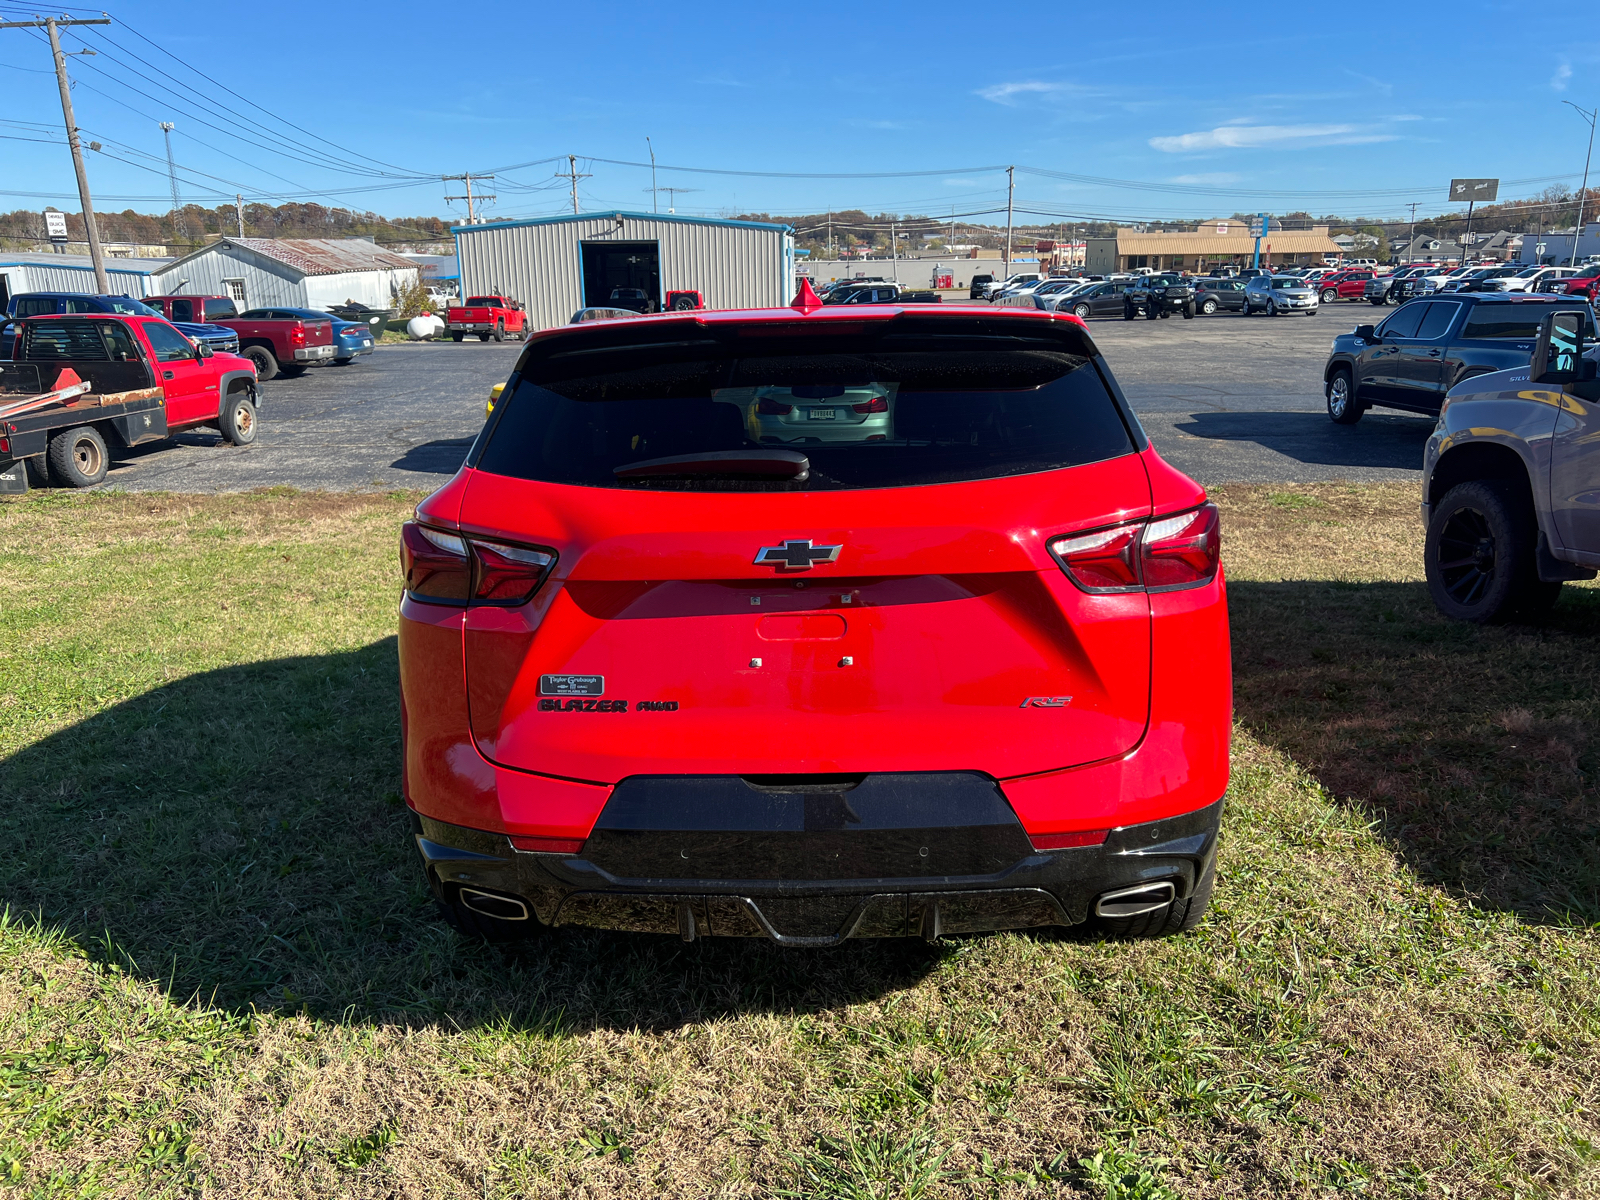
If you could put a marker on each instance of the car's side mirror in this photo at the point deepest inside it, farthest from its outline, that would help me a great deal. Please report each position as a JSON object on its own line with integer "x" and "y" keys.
{"x": 1558, "y": 354}
{"x": 203, "y": 351}
{"x": 1367, "y": 333}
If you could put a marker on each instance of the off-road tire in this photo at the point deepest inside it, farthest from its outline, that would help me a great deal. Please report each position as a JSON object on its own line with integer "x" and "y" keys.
{"x": 1150, "y": 313}
{"x": 78, "y": 457}
{"x": 1081, "y": 311}
{"x": 499, "y": 333}
{"x": 1209, "y": 307}
{"x": 1178, "y": 917}
{"x": 38, "y": 468}
{"x": 1379, "y": 302}
{"x": 456, "y": 337}
{"x": 1480, "y": 555}
{"x": 264, "y": 361}
{"x": 292, "y": 372}
{"x": 237, "y": 417}
{"x": 1343, "y": 408}
{"x": 485, "y": 336}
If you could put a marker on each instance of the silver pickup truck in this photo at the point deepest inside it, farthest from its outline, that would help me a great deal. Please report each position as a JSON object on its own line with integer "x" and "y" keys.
{"x": 1511, "y": 480}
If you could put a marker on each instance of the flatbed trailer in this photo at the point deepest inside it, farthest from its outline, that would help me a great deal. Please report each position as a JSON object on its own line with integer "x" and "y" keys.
{"x": 36, "y": 410}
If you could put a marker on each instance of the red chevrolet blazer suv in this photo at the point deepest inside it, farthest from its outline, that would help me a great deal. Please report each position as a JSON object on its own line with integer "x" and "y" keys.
{"x": 813, "y": 624}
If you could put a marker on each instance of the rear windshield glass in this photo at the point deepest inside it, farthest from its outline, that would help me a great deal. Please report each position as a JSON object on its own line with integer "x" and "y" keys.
{"x": 79, "y": 340}
{"x": 867, "y": 412}
{"x": 483, "y": 302}
{"x": 1515, "y": 321}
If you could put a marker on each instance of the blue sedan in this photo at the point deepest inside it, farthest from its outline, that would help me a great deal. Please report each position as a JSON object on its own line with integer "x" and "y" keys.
{"x": 350, "y": 338}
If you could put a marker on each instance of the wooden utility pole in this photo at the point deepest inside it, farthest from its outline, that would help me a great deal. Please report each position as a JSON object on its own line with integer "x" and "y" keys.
{"x": 101, "y": 281}
{"x": 572, "y": 170}
{"x": 467, "y": 179}
{"x": 1011, "y": 191}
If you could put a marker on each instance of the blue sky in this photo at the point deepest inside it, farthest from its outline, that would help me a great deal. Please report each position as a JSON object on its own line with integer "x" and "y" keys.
{"x": 1188, "y": 110}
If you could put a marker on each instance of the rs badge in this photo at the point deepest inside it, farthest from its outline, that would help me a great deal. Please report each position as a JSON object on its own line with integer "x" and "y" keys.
{"x": 1046, "y": 702}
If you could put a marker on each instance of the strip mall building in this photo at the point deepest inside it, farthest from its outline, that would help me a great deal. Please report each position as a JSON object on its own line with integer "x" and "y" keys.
{"x": 1213, "y": 244}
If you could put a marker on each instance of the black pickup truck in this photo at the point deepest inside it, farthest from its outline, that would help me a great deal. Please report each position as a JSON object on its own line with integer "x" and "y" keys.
{"x": 1427, "y": 346}
{"x": 1158, "y": 296}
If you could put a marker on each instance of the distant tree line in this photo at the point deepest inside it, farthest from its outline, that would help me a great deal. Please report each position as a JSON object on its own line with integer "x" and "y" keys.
{"x": 201, "y": 225}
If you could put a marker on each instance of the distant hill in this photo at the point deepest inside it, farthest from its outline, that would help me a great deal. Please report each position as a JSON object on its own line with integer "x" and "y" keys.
{"x": 202, "y": 225}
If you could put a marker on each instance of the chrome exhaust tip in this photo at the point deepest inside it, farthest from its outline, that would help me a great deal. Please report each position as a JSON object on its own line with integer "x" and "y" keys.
{"x": 1135, "y": 901}
{"x": 488, "y": 904}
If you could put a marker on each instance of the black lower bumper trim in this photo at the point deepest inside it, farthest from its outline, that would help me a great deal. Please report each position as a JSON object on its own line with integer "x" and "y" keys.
{"x": 1041, "y": 888}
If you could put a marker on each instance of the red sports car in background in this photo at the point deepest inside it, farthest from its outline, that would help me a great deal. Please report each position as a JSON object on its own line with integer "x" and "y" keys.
{"x": 811, "y": 624}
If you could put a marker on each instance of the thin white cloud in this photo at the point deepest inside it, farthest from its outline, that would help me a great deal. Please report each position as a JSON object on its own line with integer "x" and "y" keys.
{"x": 1251, "y": 137}
{"x": 1381, "y": 85}
{"x": 1558, "y": 81}
{"x": 1207, "y": 178}
{"x": 1007, "y": 93}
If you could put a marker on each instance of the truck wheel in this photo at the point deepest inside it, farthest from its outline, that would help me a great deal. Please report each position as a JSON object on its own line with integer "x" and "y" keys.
{"x": 237, "y": 420}
{"x": 264, "y": 361}
{"x": 499, "y": 332}
{"x": 38, "y": 471}
{"x": 78, "y": 457}
{"x": 1480, "y": 555}
{"x": 289, "y": 372}
{"x": 1378, "y": 301}
{"x": 1127, "y": 312}
{"x": 456, "y": 337}
{"x": 1342, "y": 406}
{"x": 1188, "y": 312}
{"x": 1150, "y": 314}
{"x": 484, "y": 337}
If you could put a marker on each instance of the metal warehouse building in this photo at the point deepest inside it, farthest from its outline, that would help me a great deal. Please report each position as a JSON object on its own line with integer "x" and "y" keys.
{"x": 292, "y": 272}
{"x": 557, "y": 265}
{"x": 74, "y": 273}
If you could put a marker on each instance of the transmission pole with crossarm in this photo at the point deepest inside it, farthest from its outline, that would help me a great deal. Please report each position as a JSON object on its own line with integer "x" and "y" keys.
{"x": 50, "y": 24}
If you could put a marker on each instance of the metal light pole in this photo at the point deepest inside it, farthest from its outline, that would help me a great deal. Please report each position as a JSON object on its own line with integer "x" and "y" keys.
{"x": 101, "y": 280}
{"x": 178, "y": 229}
{"x": 1588, "y": 114}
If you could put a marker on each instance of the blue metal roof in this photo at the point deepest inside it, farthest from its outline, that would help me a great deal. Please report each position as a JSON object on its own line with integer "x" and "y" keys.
{"x": 614, "y": 213}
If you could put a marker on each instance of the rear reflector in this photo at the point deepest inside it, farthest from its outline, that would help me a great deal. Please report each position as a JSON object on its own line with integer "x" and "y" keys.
{"x": 1064, "y": 841}
{"x": 545, "y": 845}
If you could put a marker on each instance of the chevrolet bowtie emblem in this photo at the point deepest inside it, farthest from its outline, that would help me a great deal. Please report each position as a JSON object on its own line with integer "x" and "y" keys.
{"x": 796, "y": 556}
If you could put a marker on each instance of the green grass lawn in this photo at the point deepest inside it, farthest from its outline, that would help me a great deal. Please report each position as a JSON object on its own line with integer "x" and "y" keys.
{"x": 220, "y": 973}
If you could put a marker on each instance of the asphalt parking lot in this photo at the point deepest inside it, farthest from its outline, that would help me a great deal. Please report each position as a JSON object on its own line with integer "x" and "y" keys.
{"x": 1225, "y": 398}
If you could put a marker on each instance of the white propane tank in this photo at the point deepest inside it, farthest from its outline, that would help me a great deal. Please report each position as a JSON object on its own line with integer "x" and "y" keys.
{"x": 423, "y": 327}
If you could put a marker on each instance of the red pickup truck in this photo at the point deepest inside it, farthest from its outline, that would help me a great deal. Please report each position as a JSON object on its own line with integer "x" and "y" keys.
{"x": 276, "y": 342}
{"x": 488, "y": 317}
{"x": 144, "y": 381}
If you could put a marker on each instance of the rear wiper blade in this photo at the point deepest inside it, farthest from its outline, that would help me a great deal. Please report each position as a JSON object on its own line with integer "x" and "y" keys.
{"x": 728, "y": 464}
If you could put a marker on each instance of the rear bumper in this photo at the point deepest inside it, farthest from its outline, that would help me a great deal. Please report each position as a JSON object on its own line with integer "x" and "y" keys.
{"x": 972, "y": 869}
{"x": 313, "y": 353}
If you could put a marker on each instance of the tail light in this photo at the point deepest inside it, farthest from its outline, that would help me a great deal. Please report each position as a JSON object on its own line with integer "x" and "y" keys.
{"x": 445, "y": 568}
{"x": 297, "y": 335}
{"x": 773, "y": 408}
{"x": 1162, "y": 555}
{"x": 876, "y": 404}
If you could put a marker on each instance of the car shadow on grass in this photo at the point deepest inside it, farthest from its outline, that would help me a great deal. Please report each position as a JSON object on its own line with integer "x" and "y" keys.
{"x": 1475, "y": 749}
{"x": 1381, "y": 440}
{"x": 238, "y": 836}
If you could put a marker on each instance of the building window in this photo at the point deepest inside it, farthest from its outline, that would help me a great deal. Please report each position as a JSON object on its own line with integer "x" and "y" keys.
{"x": 235, "y": 290}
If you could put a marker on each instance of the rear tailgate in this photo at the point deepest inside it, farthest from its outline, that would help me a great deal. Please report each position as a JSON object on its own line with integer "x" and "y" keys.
{"x": 470, "y": 316}
{"x": 919, "y": 648}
